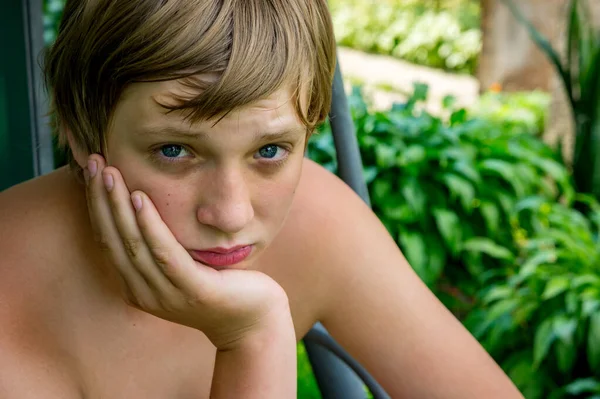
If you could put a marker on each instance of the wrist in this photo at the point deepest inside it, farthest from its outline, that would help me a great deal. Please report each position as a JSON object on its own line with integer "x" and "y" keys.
{"x": 260, "y": 364}
{"x": 275, "y": 327}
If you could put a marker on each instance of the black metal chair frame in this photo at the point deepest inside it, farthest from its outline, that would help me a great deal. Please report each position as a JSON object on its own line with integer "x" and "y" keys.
{"x": 26, "y": 134}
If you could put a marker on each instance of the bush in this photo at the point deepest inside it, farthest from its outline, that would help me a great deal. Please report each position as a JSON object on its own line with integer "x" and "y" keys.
{"x": 542, "y": 323}
{"x": 522, "y": 108}
{"x": 440, "y": 185}
{"x": 485, "y": 213}
{"x": 447, "y": 38}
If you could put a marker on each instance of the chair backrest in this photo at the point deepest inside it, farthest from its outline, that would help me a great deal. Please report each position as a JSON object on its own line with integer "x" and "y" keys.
{"x": 337, "y": 373}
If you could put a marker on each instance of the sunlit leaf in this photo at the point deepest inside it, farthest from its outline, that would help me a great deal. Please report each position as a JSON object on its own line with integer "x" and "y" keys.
{"x": 583, "y": 385}
{"x": 491, "y": 215}
{"x": 460, "y": 188}
{"x": 448, "y": 223}
{"x": 555, "y": 286}
{"x": 488, "y": 247}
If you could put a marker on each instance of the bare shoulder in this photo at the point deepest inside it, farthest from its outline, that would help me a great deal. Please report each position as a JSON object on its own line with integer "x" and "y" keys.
{"x": 330, "y": 217}
{"x": 320, "y": 227}
{"x": 375, "y": 305}
{"x": 28, "y": 238}
{"x": 36, "y": 217}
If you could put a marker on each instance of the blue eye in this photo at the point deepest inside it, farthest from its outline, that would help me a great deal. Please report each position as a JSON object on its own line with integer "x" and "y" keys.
{"x": 269, "y": 151}
{"x": 272, "y": 153}
{"x": 171, "y": 150}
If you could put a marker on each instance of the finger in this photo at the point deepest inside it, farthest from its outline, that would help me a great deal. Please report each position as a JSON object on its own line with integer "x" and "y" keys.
{"x": 132, "y": 239}
{"x": 174, "y": 261}
{"x": 105, "y": 231}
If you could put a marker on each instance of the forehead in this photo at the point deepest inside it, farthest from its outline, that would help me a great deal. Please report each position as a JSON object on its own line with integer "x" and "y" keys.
{"x": 140, "y": 105}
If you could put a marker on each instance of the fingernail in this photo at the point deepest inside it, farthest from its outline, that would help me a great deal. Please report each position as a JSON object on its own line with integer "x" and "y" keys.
{"x": 108, "y": 181}
{"x": 92, "y": 167}
{"x": 136, "y": 199}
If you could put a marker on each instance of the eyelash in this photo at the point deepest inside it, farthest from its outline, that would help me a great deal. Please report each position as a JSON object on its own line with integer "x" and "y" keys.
{"x": 157, "y": 156}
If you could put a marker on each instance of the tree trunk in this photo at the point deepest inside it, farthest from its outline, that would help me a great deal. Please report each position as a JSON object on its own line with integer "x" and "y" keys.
{"x": 509, "y": 58}
{"x": 511, "y": 61}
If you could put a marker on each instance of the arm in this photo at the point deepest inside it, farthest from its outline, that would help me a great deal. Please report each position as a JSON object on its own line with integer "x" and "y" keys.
{"x": 380, "y": 311}
{"x": 261, "y": 366}
{"x": 244, "y": 313}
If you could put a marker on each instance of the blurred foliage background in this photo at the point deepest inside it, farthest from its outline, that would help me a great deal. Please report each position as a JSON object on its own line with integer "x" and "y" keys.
{"x": 485, "y": 211}
{"x": 438, "y": 33}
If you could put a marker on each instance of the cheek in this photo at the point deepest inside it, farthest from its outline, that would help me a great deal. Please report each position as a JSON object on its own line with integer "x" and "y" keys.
{"x": 274, "y": 199}
{"x": 168, "y": 196}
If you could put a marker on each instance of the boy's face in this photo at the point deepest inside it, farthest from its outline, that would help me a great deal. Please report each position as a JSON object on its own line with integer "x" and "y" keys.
{"x": 215, "y": 186}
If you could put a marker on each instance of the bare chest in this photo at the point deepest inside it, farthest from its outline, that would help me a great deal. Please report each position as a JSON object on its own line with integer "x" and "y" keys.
{"x": 92, "y": 345}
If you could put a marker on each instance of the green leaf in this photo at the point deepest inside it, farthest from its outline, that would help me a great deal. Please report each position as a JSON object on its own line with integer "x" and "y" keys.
{"x": 448, "y": 101}
{"x": 461, "y": 188}
{"x": 531, "y": 203}
{"x": 583, "y": 385}
{"x": 506, "y": 170}
{"x": 564, "y": 327}
{"x": 524, "y": 312}
{"x": 491, "y": 215}
{"x": 421, "y": 91}
{"x": 555, "y": 286}
{"x": 488, "y": 247}
{"x": 527, "y": 379}
{"x": 398, "y": 212}
{"x": 413, "y": 154}
{"x": 502, "y": 307}
{"x": 415, "y": 251}
{"x": 437, "y": 259}
{"x": 381, "y": 189}
{"x": 385, "y": 156}
{"x": 544, "y": 336}
{"x": 459, "y": 116}
{"x": 589, "y": 306}
{"x": 529, "y": 267}
{"x": 370, "y": 173}
{"x": 468, "y": 170}
{"x": 566, "y": 354}
{"x": 593, "y": 342}
{"x": 413, "y": 193}
{"x": 448, "y": 223}
{"x": 585, "y": 279}
{"x": 498, "y": 292}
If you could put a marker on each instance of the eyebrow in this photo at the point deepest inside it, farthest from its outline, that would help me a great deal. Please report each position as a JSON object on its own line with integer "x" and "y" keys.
{"x": 174, "y": 132}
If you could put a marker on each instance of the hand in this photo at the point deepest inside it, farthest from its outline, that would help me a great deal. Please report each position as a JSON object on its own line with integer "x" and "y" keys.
{"x": 161, "y": 278}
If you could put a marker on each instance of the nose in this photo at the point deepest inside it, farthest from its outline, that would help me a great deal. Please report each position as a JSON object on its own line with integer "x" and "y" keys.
{"x": 226, "y": 204}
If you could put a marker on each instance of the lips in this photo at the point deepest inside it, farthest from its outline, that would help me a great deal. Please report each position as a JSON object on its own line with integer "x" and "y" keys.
{"x": 222, "y": 257}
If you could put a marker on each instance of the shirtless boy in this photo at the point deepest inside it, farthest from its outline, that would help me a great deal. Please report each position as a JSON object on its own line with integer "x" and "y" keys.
{"x": 190, "y": 244}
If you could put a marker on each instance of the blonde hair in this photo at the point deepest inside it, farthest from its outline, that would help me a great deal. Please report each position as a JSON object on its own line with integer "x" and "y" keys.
{"x": 253, "y": 46}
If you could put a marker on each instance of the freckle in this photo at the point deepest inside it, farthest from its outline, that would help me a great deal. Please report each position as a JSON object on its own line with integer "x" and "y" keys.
{"x": 168, "y": 195}
{"x": 167, "y": 204}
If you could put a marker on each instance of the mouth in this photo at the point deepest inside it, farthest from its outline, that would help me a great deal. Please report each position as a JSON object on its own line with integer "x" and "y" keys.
{"x": 221, "y": 258}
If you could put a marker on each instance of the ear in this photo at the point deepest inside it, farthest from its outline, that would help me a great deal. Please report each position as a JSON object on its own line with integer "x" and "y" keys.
{"x": 79, "y": 154}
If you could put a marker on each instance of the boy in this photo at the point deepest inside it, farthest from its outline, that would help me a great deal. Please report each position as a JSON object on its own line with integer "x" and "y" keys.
{"x": 189, "y": 197}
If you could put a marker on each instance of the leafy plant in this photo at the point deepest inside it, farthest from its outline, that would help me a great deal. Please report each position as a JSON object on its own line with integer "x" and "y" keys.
{"x": 543, "y": 322}
{"x": 52, "y": 14}
{"x": 487, "y": 215}
{"x": 430, "y": 33}
{"x": 509, "y": 109}
{"x": 445, "y": 188}
{"x": 580, "y": 75}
